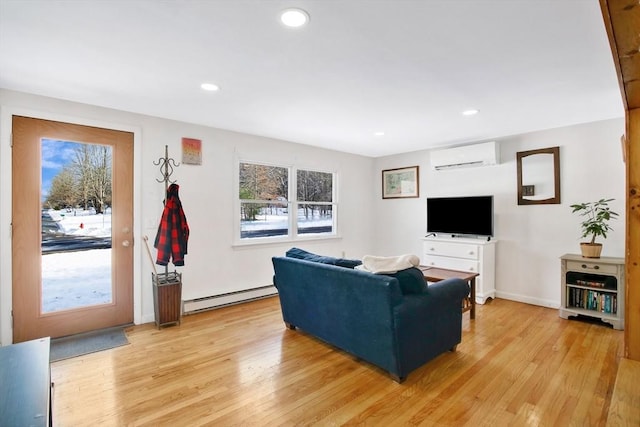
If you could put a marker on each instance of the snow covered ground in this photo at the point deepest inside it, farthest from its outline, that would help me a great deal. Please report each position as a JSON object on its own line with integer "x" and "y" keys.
{"x": 79, "y": 278}
{"x": 83, "y": 278}
{"x": 84, "y": 223}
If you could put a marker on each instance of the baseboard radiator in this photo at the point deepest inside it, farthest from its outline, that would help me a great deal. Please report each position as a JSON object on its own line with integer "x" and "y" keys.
{"x": 216, "y": 301}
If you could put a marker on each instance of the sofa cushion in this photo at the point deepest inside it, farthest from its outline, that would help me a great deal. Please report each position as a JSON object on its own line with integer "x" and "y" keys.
{"x": 309, "y": 256}
{"x": 411, "y": 281}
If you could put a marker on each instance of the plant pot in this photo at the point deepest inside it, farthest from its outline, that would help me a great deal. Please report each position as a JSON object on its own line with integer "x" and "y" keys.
{"x": 591, "y": 250}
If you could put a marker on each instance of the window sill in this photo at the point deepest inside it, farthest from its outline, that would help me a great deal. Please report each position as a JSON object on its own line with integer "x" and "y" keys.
{"x": 265, "y": 241}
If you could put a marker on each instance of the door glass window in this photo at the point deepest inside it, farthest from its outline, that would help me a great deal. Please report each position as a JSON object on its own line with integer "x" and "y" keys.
{"x": 76, "y": 225}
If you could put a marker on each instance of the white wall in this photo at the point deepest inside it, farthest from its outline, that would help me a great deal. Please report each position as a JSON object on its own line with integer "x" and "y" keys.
{"x": 213, "y": 265}
{"x": 531, "y": 238}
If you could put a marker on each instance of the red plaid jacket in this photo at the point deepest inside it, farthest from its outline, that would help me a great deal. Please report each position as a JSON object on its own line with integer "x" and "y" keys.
{"x": 173, "y": 231}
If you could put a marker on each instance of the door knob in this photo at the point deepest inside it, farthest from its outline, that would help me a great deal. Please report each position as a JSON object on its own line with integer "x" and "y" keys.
{"x": 126, "y": 243}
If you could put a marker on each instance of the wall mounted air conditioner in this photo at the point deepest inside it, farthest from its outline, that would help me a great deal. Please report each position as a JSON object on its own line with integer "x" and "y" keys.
{"x": 484, "y": 154}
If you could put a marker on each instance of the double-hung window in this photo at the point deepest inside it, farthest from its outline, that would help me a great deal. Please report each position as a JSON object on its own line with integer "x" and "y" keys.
{"x": 278, "y": 202}
{"x": 314, "y": 202}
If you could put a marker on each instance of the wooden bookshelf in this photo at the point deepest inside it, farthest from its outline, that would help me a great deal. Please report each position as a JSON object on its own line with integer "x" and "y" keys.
{"x": 593, "y": 287}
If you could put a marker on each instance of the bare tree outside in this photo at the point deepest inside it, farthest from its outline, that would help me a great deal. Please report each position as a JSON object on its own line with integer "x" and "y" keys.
{"x": 85, "y": 181}
{"x": 261, "y": 183}
{"x": 317, "y": 187}
{"x": 100, "y": 176}
{"x": 81, "y": 167}
{"x": 63, "y": 191}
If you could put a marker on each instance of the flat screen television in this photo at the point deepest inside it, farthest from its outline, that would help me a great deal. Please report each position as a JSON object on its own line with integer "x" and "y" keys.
{"x": 470, "y": 215}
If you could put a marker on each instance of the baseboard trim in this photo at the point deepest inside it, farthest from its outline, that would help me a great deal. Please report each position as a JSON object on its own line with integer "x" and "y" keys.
{"x": 212, "y": 302}
{"x": 528, "y": 300}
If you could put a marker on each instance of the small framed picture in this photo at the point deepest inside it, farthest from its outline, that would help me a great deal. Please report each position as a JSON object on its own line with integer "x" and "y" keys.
{"x": 401, "y": 183}
{"x": 191, "y": 151}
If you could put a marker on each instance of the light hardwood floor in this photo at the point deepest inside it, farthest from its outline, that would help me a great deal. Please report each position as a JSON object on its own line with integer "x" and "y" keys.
{"x": 517, "y": 365}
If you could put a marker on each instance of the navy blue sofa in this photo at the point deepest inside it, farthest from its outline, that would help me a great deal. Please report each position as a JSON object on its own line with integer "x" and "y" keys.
{"x": 369, "y": 315}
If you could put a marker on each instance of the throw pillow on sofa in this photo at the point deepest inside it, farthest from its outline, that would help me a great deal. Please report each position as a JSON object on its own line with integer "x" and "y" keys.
{"x": 309, "y": 256}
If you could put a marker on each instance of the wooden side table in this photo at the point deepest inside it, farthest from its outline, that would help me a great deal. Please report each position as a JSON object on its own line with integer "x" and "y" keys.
{"x": 593, "y": 287}
{"x": 433, "y": 274}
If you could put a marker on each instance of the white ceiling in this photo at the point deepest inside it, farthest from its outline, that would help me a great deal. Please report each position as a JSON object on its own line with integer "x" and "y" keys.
{"x": 404, "y": 67}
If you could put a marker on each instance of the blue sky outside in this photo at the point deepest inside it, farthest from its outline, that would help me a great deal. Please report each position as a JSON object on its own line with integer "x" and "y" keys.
{"x": 55, "y": 155}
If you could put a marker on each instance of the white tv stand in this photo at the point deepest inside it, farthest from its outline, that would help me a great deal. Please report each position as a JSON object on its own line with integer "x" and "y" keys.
{"x": 464, "y": 254}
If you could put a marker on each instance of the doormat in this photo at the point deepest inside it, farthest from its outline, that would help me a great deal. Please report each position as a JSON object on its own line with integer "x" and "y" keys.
{"x": 90, "y": 342}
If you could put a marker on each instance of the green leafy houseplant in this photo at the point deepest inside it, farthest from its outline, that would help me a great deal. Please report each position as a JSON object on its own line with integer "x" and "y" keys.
{"x": 596, "y": 223}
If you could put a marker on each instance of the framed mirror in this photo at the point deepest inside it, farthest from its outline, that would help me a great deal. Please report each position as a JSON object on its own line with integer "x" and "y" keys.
{"x": 539, "y": 176}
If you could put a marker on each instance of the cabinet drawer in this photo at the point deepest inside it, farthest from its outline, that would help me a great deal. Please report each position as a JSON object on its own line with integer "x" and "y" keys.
{"x": 451, "y": 263}
{"x": 457, "y": 250}
{"x": 591, "y": 267}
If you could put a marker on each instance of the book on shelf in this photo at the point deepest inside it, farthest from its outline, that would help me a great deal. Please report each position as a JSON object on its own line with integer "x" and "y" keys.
{"x": 604, "y": 302}
{"x": 590, "y": 284}
{"x": 590, "y": 280}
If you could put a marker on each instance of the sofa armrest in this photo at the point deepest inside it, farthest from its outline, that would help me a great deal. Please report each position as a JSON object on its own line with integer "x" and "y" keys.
{"x": 429, "y": 324}
{"x": 449, "y": 288}
{"x": 441, "y": 298}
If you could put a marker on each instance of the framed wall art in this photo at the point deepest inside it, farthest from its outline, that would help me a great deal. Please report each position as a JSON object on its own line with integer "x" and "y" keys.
{"x": 401, "y": 183}
{"x": 191, "y": 151}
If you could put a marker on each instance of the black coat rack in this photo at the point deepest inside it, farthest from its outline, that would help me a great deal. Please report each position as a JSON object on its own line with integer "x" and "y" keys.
{"x": 167, "y": 287}
{"x": 167, "y": 166}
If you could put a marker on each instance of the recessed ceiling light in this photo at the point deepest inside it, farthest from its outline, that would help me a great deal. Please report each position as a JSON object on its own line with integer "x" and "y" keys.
{"x": 379, "y": 133}
{"x": 210, "y": 87}
{"x": 294, "y": 17}
{"x": 470, "y": 112}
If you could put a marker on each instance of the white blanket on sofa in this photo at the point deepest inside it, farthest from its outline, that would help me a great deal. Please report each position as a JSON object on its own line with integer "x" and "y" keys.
{"x": 389, "y": 264}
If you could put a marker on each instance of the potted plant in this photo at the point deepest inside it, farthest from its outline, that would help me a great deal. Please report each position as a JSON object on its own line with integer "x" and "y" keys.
{"x": 596, "y": 223}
